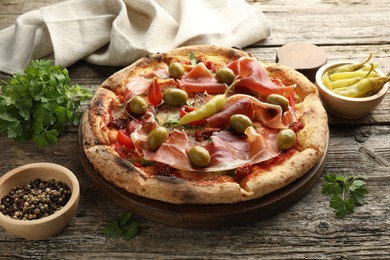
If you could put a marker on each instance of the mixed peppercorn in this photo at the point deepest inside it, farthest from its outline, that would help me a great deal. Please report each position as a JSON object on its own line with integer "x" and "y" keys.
{"x": 36, "y": 199}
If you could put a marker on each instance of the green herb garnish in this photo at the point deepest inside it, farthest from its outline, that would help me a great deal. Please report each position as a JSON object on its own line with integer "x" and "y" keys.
{"x": 193, "y": 59}
{"x": 40, "y": 103}
{"x": 145, "y": 162}
{"x": 123, "y": 226}
{"x": 346, "y": 192}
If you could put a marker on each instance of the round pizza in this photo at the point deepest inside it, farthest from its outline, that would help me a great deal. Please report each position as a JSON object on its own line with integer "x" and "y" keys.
{"x": 204, "y": 125}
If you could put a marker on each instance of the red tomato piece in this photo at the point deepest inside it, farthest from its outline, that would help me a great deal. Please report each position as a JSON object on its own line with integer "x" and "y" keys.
{"x": 154, "y": 94}
{"x": 124, "y": 139}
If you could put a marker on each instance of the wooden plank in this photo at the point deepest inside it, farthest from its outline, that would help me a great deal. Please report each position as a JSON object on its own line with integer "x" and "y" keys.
{"x": 320, "y": 22}
{"x": 327, "y": 22}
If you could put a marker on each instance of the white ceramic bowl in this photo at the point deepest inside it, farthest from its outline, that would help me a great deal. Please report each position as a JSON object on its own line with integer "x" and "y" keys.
{"x": 51, "y": 225}
{"x": 347, "y": 107}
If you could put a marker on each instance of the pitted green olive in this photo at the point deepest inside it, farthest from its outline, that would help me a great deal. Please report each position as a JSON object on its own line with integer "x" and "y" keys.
{"x": 157, "y": 137}
{"x": 175, "y": 97}
{"x": 138, "y": 105}
{"x": 225, "y": 75}
{"x": 277, "y": 99}
{"x": 286, "y": 139}
{"x": 240, "y": 122}
{"x": 176, "y": 70}
{"x": 199, "y": 156}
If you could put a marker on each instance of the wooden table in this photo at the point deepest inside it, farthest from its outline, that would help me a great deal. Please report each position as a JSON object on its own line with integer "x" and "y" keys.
{"x": 307, "y": 230}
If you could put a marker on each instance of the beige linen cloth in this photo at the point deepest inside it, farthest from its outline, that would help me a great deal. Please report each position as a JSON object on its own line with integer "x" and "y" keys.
{"x": 118, "y": 32}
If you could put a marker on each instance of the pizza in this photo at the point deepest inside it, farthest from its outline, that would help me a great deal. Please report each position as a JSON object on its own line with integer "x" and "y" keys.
{"x": 204, "y": 125}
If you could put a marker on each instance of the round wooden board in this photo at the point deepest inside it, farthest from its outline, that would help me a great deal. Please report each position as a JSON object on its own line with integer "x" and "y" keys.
{"x": 205, "y": 216}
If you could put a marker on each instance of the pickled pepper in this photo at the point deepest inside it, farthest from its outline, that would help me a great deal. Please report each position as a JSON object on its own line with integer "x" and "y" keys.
{"x": 348, "y": 81}
{"x": 349, "y": 67}
{"x": 213, "y": 106}
{"x": 363, "y": 87}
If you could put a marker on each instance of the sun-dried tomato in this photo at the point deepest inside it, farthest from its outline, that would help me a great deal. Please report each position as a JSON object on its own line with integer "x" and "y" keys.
{"x": 296, "y": 126}
{"x": 204, "y": 134}
{"x": 242, "y": 171}
{"x": 165, "y": 169}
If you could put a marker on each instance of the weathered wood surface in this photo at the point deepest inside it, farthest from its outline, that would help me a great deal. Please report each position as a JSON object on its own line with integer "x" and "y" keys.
{"x": 308, "y": 230}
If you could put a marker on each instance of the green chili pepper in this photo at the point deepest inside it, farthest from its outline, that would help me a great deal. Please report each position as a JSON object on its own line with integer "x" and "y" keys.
{"x": 349, "y": 81}
{"x": 213, "y": 106}
{"x": 349, "y": 67}
{"x": 363, "y": 87}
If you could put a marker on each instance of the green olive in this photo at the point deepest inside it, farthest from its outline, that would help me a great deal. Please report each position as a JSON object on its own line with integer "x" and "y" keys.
{"x": 199, "y": 156}
{"x": 286, "y": 139}
{"x": 175, "y": 97}
{"x": 240, "y": 122}
{"x": 279, "y": 100}
{"x": 157, "y": 137}
{"x": 176, "y": 70}
{"x": 138, "y": 105}
{"x": 225, "y": 75}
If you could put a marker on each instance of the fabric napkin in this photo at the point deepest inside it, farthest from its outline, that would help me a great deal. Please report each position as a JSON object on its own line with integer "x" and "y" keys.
{"x": 118, "y": 32}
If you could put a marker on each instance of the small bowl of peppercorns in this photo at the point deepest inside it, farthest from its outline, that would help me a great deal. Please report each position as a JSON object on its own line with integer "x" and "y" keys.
{"x": 38, "y": 200}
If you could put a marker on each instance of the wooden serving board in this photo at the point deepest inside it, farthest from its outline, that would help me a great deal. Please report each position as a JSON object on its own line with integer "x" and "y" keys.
{"x": 205, "y": 216}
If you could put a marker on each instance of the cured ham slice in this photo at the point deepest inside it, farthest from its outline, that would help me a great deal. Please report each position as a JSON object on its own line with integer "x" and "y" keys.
{"x": 253, "y": 76}
{"x": 139, "y": 129}
{"x": 172, "y": 152}
{"x": 222, "y": 119}
{"x": 228, "y": 151}
{"x": 267, "y": 114}
{"x": 137, "y": 86}
{"x": 200, "y": 80}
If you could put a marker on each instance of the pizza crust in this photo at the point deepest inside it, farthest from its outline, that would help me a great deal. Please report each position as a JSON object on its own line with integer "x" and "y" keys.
{"x": 281, "y": 175}
{"x": 94, "y": 119}
{"x": 124, "y": 175}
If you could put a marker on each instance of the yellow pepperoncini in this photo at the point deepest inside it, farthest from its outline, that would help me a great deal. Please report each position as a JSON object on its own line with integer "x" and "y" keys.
{"x": 213, "y": 106}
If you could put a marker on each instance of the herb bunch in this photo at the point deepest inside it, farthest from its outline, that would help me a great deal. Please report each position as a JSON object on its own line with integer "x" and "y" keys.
{"x": 40, "y": 103}
{"x": 346, "y": 193}
{"x": 122, "y": 226}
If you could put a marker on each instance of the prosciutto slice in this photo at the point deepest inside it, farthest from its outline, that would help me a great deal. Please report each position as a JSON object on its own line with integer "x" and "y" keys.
{"x": 253, "y": 76}
{"x": 172, "y": 152}
{"x": 227, "y": 150}
{"x": 137, "y": 86}
{"x": 267, "y": 114}
{"x": 222, "y": 119}
{"x": 200, "y": 80}
{"x": 139, "y": 129}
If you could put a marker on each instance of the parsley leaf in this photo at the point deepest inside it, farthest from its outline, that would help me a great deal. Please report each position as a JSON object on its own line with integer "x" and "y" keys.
{"x": 40, "y": 103}
{"x": 122, "y": 226}
{"x": 193, "y": 59}
{"x": 346, "y": 193}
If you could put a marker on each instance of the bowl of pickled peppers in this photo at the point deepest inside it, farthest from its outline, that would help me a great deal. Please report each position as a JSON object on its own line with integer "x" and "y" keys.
{"x": 351, "y": 89}
{"x": 38, "y": 200}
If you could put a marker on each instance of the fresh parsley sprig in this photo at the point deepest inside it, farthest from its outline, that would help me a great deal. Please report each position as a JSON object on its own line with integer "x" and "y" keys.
{"x": 122, "y": 226}
{"x": 40, "y": 103}
{"x": 193, "y": 59}
{"x": 346, "y": 192}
